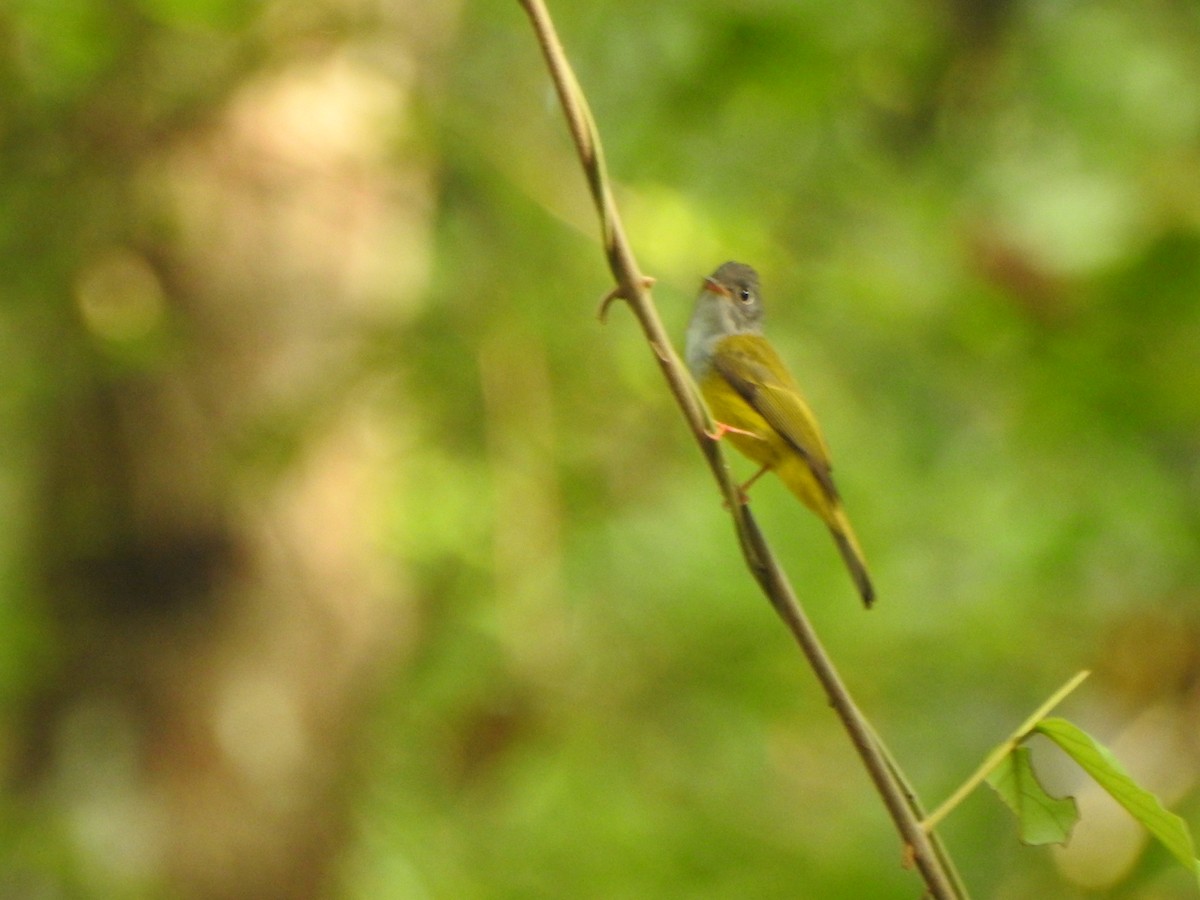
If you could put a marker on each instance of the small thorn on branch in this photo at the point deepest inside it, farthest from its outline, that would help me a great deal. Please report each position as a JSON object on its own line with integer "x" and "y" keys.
{"x": 618, "y": 293}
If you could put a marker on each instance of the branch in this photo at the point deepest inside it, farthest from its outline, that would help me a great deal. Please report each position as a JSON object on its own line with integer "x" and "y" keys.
{"x": 634, "y": 288}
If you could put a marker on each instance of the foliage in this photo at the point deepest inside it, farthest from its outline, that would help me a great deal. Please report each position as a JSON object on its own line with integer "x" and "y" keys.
{"x": 978, "y": 227}
{"x": 1101, "y": 765}
{"x": 1043, "y": 819}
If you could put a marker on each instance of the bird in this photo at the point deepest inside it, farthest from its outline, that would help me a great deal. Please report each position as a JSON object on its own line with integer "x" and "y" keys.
{"x": 757, "y": 403}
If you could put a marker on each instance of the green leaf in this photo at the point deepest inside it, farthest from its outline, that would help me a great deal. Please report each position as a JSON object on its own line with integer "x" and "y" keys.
{"x": 1099, "y": 762}
{"x": 1042, "y": 819}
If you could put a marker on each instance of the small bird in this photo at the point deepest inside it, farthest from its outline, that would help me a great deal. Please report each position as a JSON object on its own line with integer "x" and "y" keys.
{"x": 755, "y": 400}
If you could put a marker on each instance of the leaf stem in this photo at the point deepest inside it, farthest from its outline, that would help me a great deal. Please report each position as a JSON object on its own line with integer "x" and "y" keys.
{"x": 997, "y": 755}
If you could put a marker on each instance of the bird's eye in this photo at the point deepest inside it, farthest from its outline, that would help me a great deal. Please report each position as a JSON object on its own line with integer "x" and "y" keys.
{"x": 745, "y": 295}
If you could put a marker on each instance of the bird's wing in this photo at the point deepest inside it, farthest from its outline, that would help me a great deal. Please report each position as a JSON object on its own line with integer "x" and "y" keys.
{"x": 755, "y": 371}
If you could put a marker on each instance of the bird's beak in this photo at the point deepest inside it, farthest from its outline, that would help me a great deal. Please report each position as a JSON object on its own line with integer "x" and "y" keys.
{"x": 713, "y": 286}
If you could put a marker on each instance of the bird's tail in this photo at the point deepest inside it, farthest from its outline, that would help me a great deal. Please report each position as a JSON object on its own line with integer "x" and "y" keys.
{"x": 847, "y": 543}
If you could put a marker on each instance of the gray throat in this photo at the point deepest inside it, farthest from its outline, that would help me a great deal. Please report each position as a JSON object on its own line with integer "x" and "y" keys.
{"x": 704, "y": 330}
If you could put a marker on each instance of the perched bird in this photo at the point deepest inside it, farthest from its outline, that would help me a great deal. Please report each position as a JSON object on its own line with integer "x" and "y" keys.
{"x": 758, "y": 404}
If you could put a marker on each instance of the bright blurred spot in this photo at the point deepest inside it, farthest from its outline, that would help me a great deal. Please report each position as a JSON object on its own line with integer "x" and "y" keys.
{"x": 258, "y": 724}
{"x": 1072, "y": 218}
{"x": 683, "y": 232}
{"x": 119, "y": 296}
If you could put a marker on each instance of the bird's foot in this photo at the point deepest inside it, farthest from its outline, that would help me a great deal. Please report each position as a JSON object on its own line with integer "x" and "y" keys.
{"x": 722, "y": 429}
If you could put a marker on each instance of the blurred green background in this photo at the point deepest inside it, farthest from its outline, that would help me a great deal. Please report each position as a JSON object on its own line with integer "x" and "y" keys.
{"x": 347, "y": 555}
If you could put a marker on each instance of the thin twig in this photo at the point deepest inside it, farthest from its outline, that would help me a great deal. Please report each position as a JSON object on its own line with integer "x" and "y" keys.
{"x": 634, "y": 288}
{"x": 1001, "y": 751}
{"x": 632, "y": 285}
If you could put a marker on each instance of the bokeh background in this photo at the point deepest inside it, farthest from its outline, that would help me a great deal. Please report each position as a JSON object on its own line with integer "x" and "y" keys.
{"x": 345, "y": 554}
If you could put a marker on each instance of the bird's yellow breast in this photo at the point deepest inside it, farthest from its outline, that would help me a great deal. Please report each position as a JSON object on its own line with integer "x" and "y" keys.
{"x": 767, "y": 447}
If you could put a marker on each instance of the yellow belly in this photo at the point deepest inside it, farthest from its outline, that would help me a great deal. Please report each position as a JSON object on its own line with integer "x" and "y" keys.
{"x": 764, "y": 445}
{"x": 767, "y": 447}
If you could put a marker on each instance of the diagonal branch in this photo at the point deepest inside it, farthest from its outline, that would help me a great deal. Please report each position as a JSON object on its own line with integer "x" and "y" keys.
{"x": 634, "y": 288}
